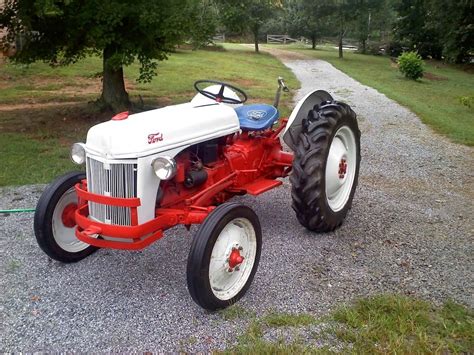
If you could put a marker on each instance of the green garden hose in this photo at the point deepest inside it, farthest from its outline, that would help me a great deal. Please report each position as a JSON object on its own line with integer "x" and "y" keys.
{"x": 18, "y": 210}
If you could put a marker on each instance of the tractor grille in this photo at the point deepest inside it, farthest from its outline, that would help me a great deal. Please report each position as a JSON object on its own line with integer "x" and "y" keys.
{"x": 115, "y": 180}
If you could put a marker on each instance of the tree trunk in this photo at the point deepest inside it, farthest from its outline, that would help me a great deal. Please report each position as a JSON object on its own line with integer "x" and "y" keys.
{"x": 341, "y": 30}
{"x": 364, "y": 46}
{"x": 114, "y": 95}
{"x": 313, "y": 42}
{"x": 340, "y": 45}
{"x": 255, "y": 38}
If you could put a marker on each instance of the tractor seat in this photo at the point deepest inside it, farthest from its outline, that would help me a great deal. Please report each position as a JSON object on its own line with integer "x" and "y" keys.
{"x": 256, "y": 117}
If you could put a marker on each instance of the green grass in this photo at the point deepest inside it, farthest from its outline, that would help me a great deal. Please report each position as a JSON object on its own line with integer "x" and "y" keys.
{"x": 235, "y": 312}
{"x": 436, "y": 98}
{"x": 275, "y": 319}
{"x": 384, "y": 324}
{"x": 43, "y": 110}
{"x": 389, "y": 324}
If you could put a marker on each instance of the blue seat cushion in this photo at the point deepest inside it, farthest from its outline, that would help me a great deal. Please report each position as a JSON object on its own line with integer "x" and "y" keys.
{"x": 256, "y": 117}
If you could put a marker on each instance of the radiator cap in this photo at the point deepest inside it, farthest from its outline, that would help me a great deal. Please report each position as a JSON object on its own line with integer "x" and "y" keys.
{"x": 120, "y": 116}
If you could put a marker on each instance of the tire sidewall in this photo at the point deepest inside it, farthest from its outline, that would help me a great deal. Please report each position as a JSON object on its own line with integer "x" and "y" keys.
{"x": 348, "y": 121}
{"x": 43, "y": 219}
{"x": 201, "y": 250}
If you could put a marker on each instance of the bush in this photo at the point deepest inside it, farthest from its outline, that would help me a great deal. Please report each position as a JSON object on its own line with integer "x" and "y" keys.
{"x": 467, "y": 101}
{"x": 411, "y": 65}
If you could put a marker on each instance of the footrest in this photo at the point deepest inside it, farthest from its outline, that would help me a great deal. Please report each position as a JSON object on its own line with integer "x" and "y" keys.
{"x": 260, "y": 186}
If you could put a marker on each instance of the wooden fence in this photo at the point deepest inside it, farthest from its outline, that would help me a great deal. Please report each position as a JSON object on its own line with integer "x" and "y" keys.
{"x": 280, "y": 39}
{"x": 219, "y": 38}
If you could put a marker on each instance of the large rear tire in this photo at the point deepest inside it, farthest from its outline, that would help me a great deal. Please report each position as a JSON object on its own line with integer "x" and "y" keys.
{"x": 224, "y": 256}
{"x": 326, "y": 166}
{"x": 54, "y": 222}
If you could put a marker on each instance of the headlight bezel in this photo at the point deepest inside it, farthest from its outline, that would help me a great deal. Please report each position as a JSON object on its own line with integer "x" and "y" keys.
{"x": 164, "y": 167}
{"x": 78, "y": 153}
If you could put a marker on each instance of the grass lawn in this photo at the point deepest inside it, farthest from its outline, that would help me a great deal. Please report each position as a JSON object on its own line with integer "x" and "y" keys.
{"x": 43, "y": 110}
{"x": 385, "y": 324}
{"x": 435, "y": 99}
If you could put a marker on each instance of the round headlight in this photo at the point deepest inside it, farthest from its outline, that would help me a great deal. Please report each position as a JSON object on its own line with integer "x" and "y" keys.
{"x": 78, "y": 153}
{"x": 164, "y": 168}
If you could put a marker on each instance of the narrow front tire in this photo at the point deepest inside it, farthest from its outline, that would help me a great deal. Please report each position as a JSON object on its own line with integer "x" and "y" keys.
{"x": 224, "y": 256}
{"x": 54, "y": 221}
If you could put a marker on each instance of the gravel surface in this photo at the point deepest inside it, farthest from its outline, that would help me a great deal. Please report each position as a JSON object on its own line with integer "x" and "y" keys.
{"x": 410, "y": 231}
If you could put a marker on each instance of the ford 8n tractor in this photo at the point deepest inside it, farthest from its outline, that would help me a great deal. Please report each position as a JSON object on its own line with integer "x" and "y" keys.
{"x": 181, "y": 164}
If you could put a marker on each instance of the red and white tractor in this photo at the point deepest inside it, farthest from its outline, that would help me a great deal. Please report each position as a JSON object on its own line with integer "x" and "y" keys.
{"x": 179, "y": 165}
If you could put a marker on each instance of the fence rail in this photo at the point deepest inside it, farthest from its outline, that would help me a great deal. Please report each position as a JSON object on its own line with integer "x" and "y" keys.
{"x": 219, "y": 38}
{"x": 280, "y": 39}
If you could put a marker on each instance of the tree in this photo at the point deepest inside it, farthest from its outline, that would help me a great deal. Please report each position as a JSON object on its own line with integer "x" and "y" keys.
{"x": 365, "y": 13}
{"x": 456, "y": 30}
{"x": 246, "y": 15}
{"x": 63, "y": 31}
{"x": 304, "y": 18}
{"x": 413, "y": 30}
{"x": 342, "y": 13}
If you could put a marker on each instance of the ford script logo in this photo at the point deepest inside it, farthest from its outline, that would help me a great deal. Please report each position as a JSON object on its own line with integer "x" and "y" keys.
{"x": 155, "y": 137}
{"x": 256, "y": 114}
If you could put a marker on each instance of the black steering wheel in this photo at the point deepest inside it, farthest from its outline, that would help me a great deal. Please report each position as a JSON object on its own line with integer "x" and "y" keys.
{"x": 219, "y": 97}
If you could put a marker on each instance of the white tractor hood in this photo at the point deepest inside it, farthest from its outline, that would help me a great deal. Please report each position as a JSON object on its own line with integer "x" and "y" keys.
{"x": 160, "y": 130}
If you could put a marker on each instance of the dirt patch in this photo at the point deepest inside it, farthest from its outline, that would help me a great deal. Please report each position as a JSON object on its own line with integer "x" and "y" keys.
{"x": 66, "y": 121}
{"x": 434, "y": 77}
{"x": 285, "y": 55}
{"x": 246, "y": 82}
{"x": 34, "y": 105}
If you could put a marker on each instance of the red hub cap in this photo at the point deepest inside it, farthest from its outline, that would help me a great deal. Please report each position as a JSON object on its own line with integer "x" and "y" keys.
{"x": 235, "y": 258}
{"x": 342, "y": 168}
{"x": 67, "y": 216}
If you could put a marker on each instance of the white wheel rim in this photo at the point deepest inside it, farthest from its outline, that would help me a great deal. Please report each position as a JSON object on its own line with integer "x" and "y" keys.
{"x": 341, "y": 168}
{"x": 227, "y": 281}
{"x": 64, "y": 236}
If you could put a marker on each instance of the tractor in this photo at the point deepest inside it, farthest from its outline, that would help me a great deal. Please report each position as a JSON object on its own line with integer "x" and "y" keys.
{"x": 181, "y": 164}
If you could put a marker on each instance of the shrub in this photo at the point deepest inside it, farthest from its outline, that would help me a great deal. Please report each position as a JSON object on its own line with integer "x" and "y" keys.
{"x": 467, "y": 101}
{"x": 411, "y": 65}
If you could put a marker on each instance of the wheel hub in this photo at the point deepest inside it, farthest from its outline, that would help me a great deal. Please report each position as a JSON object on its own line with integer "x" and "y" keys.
{"x": 342, "y": 168}
{"x": 235, "y": 259}
{"x": 67, "y": 217}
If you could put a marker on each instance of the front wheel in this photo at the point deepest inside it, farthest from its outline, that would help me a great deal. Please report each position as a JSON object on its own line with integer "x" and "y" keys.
{"x": 224, "y": 256}
{"x": 54, "y": 222}
{"x": 326, "y": 166}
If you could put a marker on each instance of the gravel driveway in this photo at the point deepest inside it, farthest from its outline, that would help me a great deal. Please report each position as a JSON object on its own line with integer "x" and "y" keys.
{"x": 410, "y": 231}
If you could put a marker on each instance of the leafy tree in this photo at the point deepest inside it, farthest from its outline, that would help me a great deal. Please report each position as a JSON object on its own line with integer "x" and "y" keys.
{"x": 414, "y": 30}
{"x": 122, "y": 31}
{"x": 454, "y": 23}
{"x": 247, "y": 15}
{"x": 305, "y": 18}
{"x": 366, "y": 15}
{"x": 344, "y": 13}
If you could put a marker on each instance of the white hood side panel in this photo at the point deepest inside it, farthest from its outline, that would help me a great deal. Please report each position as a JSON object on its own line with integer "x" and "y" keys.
{"x": 160, "y": 130}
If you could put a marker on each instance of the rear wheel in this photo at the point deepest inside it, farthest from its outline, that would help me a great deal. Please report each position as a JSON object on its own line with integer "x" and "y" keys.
{"x": 54, "y": 221}
{"x": 326, "y": 166}
{"x": 224, "y": 256}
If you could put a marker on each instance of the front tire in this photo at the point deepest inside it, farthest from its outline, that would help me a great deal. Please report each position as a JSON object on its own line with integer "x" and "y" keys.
{"x": 224, "y": 256}
{"x": 54, "y": 222}
{"x": 326, "y": 166}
